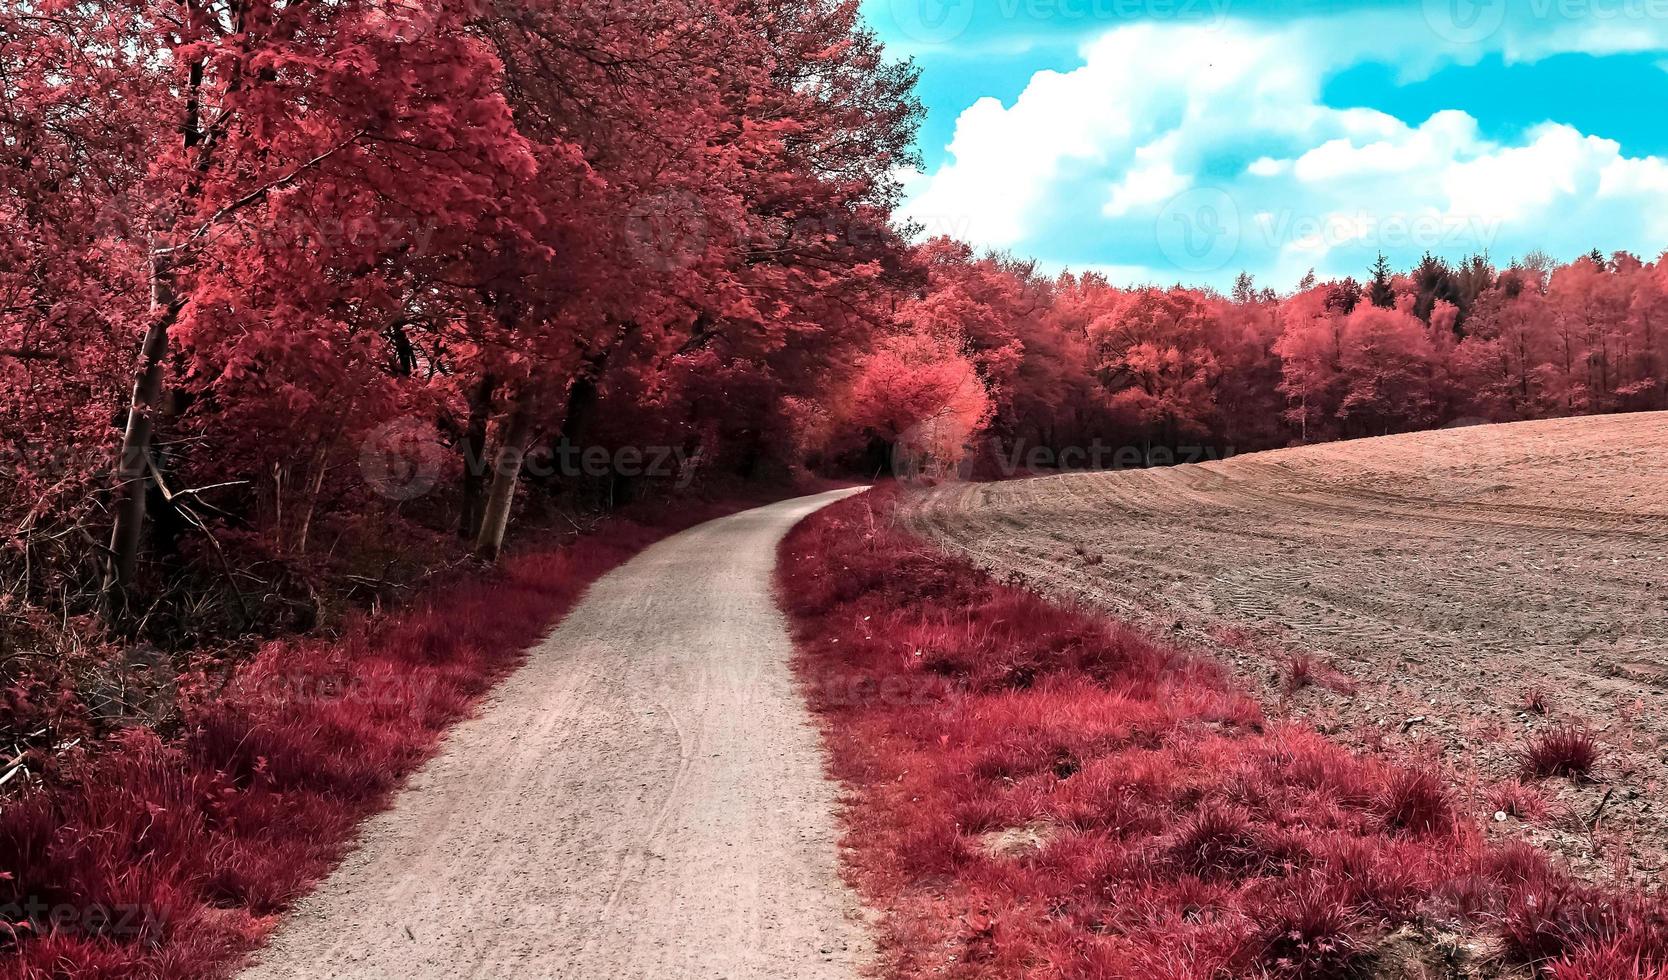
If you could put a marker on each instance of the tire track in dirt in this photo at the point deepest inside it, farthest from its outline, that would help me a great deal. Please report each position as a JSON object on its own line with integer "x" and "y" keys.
{"x": 1448, "y": 573}
{"x": 644, "y": 798}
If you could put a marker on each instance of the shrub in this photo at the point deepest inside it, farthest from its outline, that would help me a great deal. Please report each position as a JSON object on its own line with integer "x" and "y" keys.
{"x": 1547, "y": 919}
{"x": 1306, "y": 932}
{"x": 1300, "y": 672}
{"x": 1219, "y": 842}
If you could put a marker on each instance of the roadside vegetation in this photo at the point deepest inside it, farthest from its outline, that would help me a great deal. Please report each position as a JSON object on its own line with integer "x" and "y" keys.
{"x": 1039, "y": 791}
{"x": 170, "y": 851}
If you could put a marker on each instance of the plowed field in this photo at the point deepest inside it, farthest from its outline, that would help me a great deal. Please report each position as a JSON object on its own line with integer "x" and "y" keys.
{"x": 1445, "y": 576}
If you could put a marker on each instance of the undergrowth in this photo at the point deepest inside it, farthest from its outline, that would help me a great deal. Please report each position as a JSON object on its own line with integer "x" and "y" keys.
{"x": 166, "y": 858}
{"x": 1182, "y": 834}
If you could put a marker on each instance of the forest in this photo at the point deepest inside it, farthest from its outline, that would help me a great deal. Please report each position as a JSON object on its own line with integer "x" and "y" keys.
{"x": 345, "y": 343}
{"x": 294, "y": 292}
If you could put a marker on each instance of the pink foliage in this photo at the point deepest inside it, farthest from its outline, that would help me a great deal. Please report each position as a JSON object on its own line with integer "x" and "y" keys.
{"x": 170, "y": 859}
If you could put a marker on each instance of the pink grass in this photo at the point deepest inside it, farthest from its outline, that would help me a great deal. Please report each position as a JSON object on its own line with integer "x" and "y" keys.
{"x": 167, "y": 860}
{"x": 1185, "y": 835}
{"x": 1565, "y": 751}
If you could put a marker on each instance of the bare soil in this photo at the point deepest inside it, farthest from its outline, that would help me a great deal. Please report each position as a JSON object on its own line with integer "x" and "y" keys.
{"x": 644, "y": 798}
{"x": 1445, "y": 577}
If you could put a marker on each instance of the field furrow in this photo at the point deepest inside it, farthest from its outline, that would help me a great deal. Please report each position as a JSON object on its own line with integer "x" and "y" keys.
{"x": 1447, "y": 575}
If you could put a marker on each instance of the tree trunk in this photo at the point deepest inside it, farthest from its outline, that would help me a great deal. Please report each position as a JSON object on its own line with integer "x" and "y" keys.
{"x": 132, "y": 473}
{"x": 474, "y": 457}
{"x": 506, "y": 473}
{"x": 576, "y": 420}
{"x": 314, "y": 487}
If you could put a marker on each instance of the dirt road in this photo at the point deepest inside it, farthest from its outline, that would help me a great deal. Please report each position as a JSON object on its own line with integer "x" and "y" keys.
{"x": 645, "y": 798}
{"x": 1447, "y": 574}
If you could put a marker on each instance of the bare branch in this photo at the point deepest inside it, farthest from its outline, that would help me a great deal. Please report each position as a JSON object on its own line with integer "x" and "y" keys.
{"x": 260, "y": 193}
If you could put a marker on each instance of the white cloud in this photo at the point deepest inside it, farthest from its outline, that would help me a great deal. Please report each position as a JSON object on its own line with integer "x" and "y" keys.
{"x": 1161, "y": 110}
{"x": 1148, "y": 185}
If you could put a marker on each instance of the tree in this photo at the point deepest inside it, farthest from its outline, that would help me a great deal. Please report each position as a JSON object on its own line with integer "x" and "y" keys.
{"x": 1434, "y": 283}
{"x": 919, "y": 396}
{"x": 1647, "y": 319}
{"x": 1384, "y": 371}
{"x": 1153, "y": 355}
{"x": 1380, "y": 291}
{"x": 1310, "y": 349}
{"x": 282, "y": 107}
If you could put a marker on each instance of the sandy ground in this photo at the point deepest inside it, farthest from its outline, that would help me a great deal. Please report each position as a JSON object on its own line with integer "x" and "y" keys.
{"x": 645, "y": 798}
{"x": 1447, "y": 574}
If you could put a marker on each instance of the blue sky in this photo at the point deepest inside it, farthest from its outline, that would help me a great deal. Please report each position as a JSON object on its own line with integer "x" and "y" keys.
{"x": 1188, "y": 140}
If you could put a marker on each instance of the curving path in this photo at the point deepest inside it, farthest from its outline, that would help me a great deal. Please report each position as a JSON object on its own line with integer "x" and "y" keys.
{"x": 645, "y": 798}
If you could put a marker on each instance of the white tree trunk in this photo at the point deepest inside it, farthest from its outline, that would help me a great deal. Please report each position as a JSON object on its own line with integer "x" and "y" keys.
{"x": 506, "y": 473}
{"x": 132, "y": 465}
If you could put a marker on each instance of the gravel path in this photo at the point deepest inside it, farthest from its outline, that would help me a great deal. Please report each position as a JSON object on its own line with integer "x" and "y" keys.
{"x": 645, "y": 798}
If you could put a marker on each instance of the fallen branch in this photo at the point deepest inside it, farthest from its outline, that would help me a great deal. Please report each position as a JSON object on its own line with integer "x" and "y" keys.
{"x": 1592, "y": 821}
